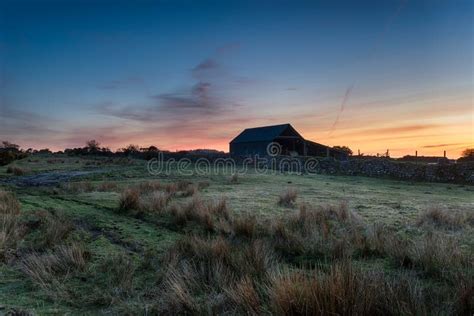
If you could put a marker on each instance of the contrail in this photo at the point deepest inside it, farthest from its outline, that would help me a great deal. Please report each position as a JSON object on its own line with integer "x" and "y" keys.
{"x": 372, "y": 52}
{"x": 343, "y": 104}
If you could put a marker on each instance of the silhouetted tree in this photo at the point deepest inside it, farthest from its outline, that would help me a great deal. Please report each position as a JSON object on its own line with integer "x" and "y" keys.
{"x": 11, "y": 146}
{"x": 345, "y": 149}
{"x": 468, "y": 152}
{"x": 92, "y": 146}
{"x": 131, "y": 150}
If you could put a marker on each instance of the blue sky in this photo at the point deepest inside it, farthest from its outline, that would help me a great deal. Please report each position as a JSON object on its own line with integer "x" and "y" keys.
{"x": 189, "y": 74}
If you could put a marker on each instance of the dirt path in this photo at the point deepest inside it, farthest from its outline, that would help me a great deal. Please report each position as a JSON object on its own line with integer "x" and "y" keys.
{"x": 46, "y": 179}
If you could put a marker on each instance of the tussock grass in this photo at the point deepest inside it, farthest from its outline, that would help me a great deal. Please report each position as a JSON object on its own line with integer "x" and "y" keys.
{"x": 439, "y": 255}
{"x": 288, "y": 198}
{"x": 234, "y": 178}
{"x": 244, "y": 295}
{"x": 120, "y": 271}
{"x": 79, "y": 187}
{"x": 245, "y": 226}
{"x": 11, "y": 231}
{"x": 17, "y": 171}
{"x": 107, "y": 186}
{"x": 158, "y": 202}
{"x": 207, "y": 214}
{"x": 50, "y": 270}
{"x": 129, "y": 200}
{"x": 154, "y": 197}
{"x": 251, "y": 282}
{"x": 343, "y": 290}
{"x": 311, "y": 260}
{"x": 149, "y": 186}
{"x": 441, "y": 218}
{"x": 55, "y": 228}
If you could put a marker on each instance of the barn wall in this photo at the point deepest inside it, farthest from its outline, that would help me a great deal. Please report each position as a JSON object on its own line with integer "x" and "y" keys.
{"x": 249, "y": 149}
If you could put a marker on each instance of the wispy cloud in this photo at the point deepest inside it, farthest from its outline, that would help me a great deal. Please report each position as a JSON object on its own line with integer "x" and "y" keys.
{"x": 443, "y": 145}
{"x": 208, "y": 99}
{"x": 120, "y": 83}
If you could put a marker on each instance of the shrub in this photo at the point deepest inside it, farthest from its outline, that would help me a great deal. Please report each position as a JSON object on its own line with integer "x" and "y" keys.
{"x": 288, "y": 198}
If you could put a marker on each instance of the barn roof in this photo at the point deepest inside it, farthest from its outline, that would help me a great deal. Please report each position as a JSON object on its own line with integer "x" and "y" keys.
{"x": 264, "y": 133}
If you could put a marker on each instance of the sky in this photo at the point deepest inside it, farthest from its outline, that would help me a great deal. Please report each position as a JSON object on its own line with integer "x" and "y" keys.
{"x": 371, "y": 75}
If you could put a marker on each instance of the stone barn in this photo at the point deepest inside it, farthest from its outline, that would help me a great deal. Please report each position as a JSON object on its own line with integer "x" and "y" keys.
{"x": 255, "y": 141}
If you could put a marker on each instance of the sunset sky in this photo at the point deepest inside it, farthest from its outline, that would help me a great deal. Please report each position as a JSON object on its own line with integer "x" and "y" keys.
{"x": 372, "y": 75}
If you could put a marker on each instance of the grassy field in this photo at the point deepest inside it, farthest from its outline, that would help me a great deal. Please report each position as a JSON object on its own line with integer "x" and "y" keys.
{"x": 116, "y": 240}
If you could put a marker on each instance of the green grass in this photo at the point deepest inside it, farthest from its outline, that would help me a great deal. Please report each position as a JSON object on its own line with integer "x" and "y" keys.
{"x": 105, "y": 232}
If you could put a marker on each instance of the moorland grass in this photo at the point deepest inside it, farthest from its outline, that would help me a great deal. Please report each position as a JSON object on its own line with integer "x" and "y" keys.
{"x": 88, "y": 252}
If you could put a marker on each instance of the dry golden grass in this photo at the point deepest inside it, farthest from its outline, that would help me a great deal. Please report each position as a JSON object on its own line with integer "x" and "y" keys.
{"x": 343, "y": 290}
{"x": 158, "y": 202}
{"x": 245, "y": 297}
{"x": 129, "y": 200}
